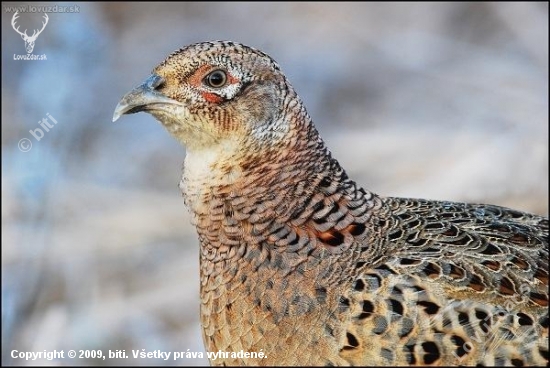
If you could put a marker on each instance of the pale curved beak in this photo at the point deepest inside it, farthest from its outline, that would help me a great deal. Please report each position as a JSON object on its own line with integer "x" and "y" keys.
{"x": 142, "y": 98}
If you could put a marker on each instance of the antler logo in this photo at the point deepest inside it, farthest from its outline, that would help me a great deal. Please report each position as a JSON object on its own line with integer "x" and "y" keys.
{"x": 29, "y": 40}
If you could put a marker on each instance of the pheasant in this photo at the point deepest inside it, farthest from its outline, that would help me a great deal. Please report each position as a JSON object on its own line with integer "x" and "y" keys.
{"x": 299, "y": 265}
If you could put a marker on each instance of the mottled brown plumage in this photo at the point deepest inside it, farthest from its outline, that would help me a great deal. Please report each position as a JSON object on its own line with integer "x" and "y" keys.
{"x": 299, "y": 262}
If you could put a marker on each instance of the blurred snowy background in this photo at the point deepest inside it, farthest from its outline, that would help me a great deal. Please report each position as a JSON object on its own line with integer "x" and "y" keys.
{"x": 440, "y": 101}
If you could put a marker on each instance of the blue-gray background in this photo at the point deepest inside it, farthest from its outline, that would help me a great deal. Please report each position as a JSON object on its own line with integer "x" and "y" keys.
{"x": 441, "y": 101}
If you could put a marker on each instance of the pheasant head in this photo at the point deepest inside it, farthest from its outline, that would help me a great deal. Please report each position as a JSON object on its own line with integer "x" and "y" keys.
{"x": 216, "y": 96}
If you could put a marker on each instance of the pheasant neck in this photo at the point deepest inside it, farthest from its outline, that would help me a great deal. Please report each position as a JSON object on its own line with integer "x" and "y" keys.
{"x": 294, "y": 197}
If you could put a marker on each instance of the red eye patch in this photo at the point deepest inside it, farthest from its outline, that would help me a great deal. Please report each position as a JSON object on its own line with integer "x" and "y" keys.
{"x": 211, "y": 97}
{"x": 196, "y": 80}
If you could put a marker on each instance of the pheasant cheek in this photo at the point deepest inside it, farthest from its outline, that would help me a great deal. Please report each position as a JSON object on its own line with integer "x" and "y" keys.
{"x": 220, "y": 121}
{"x": 259, "y": 106}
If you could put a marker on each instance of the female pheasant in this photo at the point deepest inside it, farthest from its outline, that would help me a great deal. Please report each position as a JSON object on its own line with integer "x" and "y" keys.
{"x": 301, "y": 266}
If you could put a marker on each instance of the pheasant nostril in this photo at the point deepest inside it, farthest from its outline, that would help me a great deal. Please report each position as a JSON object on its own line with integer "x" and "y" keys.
{"x": 156, "y": 81}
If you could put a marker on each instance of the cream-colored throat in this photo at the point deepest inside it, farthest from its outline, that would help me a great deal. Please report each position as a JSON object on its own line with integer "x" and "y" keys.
{"x": 208, "y": 168}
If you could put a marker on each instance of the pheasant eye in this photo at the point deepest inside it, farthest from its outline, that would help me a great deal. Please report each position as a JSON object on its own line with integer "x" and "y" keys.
{"x": 216, "y": 79}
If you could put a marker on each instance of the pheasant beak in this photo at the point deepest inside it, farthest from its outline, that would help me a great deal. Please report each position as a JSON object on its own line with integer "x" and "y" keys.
{"x": 145, "y": 97}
